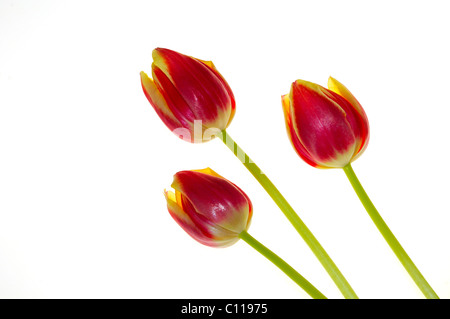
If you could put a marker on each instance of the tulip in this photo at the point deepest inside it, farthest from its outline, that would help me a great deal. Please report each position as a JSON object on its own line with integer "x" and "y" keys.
{"x": 189, "y": 95}
{"x": 196, "y": 103}
{"x": 217, "y": 213}
{"x": 208, "y": 207}
{"x": 328, "y": 128}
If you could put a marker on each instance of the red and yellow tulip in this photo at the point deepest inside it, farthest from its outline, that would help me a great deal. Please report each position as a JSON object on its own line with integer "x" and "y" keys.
{"x": 211, "y": 209}
{"x": 327, "y": 127}
{"x": 189, "y": 95}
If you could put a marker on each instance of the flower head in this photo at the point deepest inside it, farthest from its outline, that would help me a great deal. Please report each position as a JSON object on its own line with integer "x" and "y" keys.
{"x": 189, "y": 95}
{"x": 327, "y": 127}
{"x": 208, "y": 207}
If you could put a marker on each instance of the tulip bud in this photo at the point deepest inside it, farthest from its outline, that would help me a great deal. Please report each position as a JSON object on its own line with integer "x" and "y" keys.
{"x": 211, "y": 209}
{"x": 327, "y": 127}
{"x": 190, "y": 96}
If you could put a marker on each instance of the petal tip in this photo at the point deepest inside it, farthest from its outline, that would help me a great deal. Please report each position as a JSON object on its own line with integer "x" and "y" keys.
{"x": 208, "y": 171}
{"x": 285, "y": 102}
{"x": 306, "y": 85}
{"x": 147, "y": 82}
{"x": 332, "y": 83}
{"x": 157, "y": 51}
{"x": 159, "y": 57}
{"x": 143, "y": 75}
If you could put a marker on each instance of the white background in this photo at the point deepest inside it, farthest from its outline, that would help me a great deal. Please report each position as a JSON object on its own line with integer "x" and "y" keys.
{"x": 84, "y": 158}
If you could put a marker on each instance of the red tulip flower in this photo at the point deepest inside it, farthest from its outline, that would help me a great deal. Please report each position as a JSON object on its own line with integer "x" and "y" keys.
{"x": 189, "y": 95}
{"x": 327, "y": 127}
{"x": 208, "y": 207}
{"x": 196, "y": 103}
{"x": 217, "y": 213}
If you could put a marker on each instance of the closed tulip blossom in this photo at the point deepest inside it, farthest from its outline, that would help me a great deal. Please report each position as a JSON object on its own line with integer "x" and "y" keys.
{"x": 208, "y": 207}
{"x": 328, "y": 128}
{"x": 217, "y": 213}
{"x": 189, "y": 95}
{"x": 196, "y": 103}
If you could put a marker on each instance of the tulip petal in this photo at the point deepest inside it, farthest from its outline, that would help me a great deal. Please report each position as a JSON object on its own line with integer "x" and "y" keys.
{"x": 210, "y": 64}
{"x": 209, "y": 171}
{"x": 296, "y": 143}
{"x": 174, "y": 100}
{"x": 337, "y": 87}
{"x": 218, "y": 233}
{"x": 361, "y": 117}
{"x": 158, "y": 102}
{"x": 213, "y": 68}
{"x": 185, "y": 222}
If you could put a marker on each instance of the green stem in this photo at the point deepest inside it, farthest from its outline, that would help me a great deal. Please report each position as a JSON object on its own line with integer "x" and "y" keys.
{"x": 285, "y": 267}
{"x": 292, "y": 216}
{"x": 389, "y": 236}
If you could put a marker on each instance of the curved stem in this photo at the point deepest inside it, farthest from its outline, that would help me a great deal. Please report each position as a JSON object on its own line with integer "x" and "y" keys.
{"x": 389, "y": 236}
{"x": 292, "y": 216}
{"x": 285, "y": 267}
